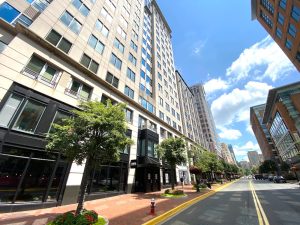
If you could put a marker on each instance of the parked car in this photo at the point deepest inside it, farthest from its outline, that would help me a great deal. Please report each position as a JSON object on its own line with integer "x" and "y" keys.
{"x": 258, "y": 177}
{"x": 265, "y": 177}
{"x": 271, "y": 177}
{"x": 279, "y": 179}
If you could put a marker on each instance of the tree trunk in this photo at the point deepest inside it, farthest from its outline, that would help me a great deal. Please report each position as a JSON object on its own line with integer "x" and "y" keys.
{"x": 83, "y": 187}
{"x": 172, "y": 178}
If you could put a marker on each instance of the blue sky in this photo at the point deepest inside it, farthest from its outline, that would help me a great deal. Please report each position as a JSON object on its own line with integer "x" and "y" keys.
{"x": 217, "y": 44}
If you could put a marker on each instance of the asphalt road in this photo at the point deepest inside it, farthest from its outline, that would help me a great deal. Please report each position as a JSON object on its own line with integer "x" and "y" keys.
{"x": 235, "y": 205}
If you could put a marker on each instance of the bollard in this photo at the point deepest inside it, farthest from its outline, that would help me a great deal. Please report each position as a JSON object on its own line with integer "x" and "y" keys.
{"x": 152, "y": 206}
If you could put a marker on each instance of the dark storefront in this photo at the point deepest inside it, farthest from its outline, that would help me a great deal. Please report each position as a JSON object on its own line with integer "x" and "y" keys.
{"x": 29, "y": 177}
{"x": 109, "y": 180}
{"x": 147, "y": 177}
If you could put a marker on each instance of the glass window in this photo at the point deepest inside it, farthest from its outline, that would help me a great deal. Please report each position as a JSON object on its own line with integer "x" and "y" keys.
{"x": 129, "y": 115}
{"x": 288, "y": 44}
{"x": 106, "y": 15}
{"x": 133, "y": 46}
{"x": 129, "y": 92}
{"x": 132, "y": 59}
{"x": 101, "y": 28}
{"x": 130, "y": 74}
{"x": 8, "y": 13}
{"x": 296, "y": 13}
{"x": 40, "y": 5}
{"x": 96, "y": 44}
{"x": 282, "y": 4}
{"x": 81, "y": 7}
{"x": 23, "y": 20}
{"x": 29, "y": 116}
{"x": 79, "y": 90}
{"x": 278, "y": 32}
{"x": 119, "y": 45}
{"x": 121, "y": 32}
{"x": 56, "y": 39}
{"x": 9, "y": 109}
{"x": 71, "y": 22}
{"x": 280, "y": 18}
{"x": 114, "y": 81}
{"x": 292, "y": 30}
{"x": 115, "y": 61}
{"x": 58, "y": 119}
{"x": 89, "y": 63}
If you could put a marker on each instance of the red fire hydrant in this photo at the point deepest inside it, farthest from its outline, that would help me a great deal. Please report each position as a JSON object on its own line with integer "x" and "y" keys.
{"x": 152, "y": 206}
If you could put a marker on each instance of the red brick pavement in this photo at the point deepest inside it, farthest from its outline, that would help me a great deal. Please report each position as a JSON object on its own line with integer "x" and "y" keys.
{"x": 127, "y": 209}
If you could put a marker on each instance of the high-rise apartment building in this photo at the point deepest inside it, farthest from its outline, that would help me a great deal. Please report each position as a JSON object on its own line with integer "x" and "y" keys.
{"x": 262, "y": 133}
{"x": 244, "y": 164}
{"x": 232, "y": 153}
{"x": 281, "y": 19}
{"x": 206, "y": 119}
{"x": 226, "y": 154}
{"x": 54, "y": 54}
{"x": 253, "y": 158}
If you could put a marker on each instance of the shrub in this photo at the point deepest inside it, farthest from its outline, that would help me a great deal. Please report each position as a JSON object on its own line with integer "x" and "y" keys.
{"x": 167, "y": 191}
{"x": 290, "y": 176}
{"x": 86, "y": 218}
{"x": 177, "y": 192}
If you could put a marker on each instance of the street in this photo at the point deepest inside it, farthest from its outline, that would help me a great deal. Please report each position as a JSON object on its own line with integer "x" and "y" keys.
{"x": 275, "y": 204}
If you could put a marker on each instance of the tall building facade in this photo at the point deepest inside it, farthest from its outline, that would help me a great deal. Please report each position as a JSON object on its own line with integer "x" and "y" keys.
{"x": 232, "y": 153}
{"x": 281, "y": 19}
{"x": 191, "y": 126}
{"x": 262, "y": 133}
{"x": 54, "y": 54}
{"x": 253, "y": 158}
{"x": 282, "y": 118}
{"x": 206, "y": 119}
{"x": 226, "y": 154}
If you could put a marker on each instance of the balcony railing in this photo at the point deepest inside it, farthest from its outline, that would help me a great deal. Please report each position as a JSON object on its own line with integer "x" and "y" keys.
{"x": 75, "y": 94}
{"x": 36, "y": 76}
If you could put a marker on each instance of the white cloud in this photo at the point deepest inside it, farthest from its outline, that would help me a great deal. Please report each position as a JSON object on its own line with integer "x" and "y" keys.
{"x": 249, "y": 129}
{"x": 198, "y": 46}
{"x": 235, "y": 106}
{"x": 263, "y": 59}
{"x": 215, "y": 85}
{"x": 230, "y": 134}
{"x": 241, "y": 151}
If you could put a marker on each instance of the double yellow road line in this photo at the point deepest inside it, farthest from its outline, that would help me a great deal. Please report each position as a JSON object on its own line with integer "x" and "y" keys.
{"x": 262, "y": 218}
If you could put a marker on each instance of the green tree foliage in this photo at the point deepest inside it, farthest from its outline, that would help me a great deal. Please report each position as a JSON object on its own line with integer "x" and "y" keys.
{"x": 285, "y": 167}
{"x": 95, "y": 134}
{"x": 254, "y": 170}
{"x": 173, "y": 151}
{"x": 268, "y": 166}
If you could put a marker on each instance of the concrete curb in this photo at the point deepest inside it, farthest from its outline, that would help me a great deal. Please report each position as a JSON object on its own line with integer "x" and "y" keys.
{"x": 185, "y": 205}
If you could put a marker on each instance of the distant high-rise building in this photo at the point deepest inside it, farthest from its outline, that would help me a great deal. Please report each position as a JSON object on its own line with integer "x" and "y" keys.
{"x": 261, "y": 158}
{"x": 253, "y": 158}
{"x": 226, "y": 154}
{"x": 206, "y": 119}
{"x": 281, "y": 19}
{"x": 262, "y": 134}
{"x": 232, "y": 153}
{"x": 244, "y": 164}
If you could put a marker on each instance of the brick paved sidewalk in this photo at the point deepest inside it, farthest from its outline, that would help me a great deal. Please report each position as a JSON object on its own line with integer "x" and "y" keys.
{"x": 127, "y": 209}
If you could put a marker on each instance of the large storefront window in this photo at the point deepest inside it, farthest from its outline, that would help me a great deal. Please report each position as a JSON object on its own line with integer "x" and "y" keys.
{"x": 29, "y": 175}
{"x": 30, "y": 116}
{"x": 9, "y": 109}
{"x": 109, "y": 178}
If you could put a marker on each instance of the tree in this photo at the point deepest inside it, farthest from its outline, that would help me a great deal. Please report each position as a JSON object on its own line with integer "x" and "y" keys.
{"x": 172, "y": 150}
{"x": 208, "y": 162}
{"x": 254, "y": 170}
{"x": 268, "y": 166}
{"x": 285, "y": 167}
{"x": 95, "y": 134}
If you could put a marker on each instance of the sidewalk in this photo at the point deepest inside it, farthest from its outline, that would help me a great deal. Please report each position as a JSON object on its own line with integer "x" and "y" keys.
{"x": 127, "y": 209}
